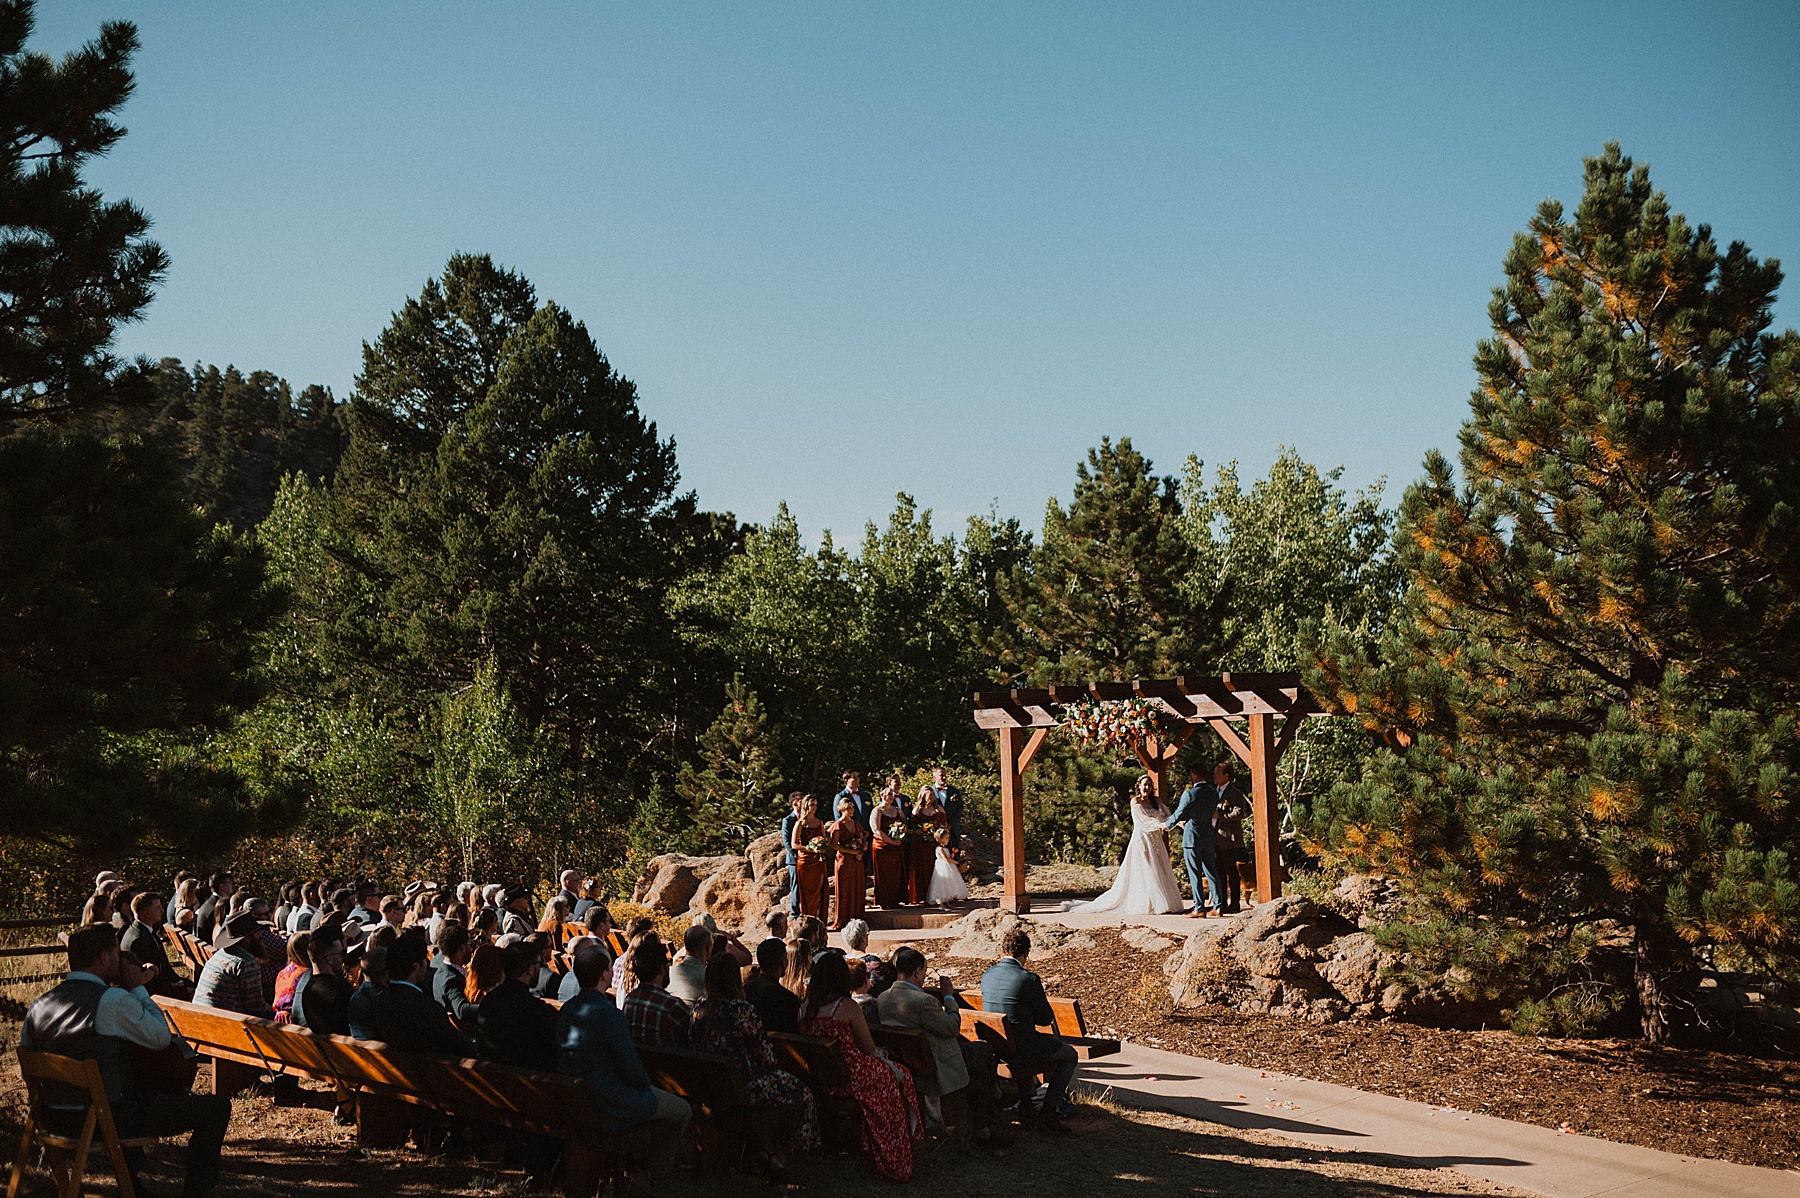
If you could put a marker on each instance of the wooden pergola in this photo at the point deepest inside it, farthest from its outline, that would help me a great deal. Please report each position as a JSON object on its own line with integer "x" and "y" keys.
{"x": 1023, "y": 718}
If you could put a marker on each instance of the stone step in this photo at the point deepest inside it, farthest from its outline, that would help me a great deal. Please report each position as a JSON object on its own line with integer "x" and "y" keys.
{"x": 910, "y": 918}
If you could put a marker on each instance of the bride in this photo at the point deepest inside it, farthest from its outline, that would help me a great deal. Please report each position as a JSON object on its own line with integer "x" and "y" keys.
{"x": 1146, "y": 883}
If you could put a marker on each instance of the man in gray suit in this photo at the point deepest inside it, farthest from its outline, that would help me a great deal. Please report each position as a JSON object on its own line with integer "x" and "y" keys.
{"x": 962, "y": 1065}
{"x": 1010, "y": 989}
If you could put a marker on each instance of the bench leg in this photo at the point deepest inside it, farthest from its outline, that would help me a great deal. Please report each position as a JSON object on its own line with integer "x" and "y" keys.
{"x": 229, "y": 1077}
{"x": 382, "y": 1122}
{"x": 581, "y": 1169}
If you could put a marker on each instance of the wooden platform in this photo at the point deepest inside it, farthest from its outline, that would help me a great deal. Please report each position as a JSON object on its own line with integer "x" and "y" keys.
{"x": 908, "y": 919}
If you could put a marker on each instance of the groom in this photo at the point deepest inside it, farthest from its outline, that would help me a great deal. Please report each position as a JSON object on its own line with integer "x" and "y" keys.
{"x": 1199, "y": 849}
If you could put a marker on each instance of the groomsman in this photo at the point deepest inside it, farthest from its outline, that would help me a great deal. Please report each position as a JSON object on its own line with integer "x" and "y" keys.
{"x": 859, "y": 798}
{"x": 1199, "y": 849}
{"x": 790, "y": 857}
{"x": 1228, "y": 830}
{"x": 951, "y": 800}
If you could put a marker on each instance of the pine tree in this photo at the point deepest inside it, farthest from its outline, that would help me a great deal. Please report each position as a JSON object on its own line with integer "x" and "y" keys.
{"x": 73, "y": 266}
{"x": 1104, "y": 596}
{"x": 1590, "y": 693}
{"x": 736, "y": 782}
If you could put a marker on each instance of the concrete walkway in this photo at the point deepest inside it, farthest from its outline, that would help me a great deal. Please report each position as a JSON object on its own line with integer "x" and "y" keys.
{"x": 1412, "y": 1134}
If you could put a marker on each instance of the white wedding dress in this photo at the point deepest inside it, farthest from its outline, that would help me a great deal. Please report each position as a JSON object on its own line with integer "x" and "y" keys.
{"x": 1146, "y": 883}
{"x": 947, "y": 883}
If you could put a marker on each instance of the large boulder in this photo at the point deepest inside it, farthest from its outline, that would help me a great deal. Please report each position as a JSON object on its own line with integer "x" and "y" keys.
{"x": 1265, "y": 964}
{"x": 734, "y": 898}
{"x": 1366, "y": 899}
{"x": 768, "y": 858}
{"x": 669, "y": 882}
{"x": 978, "y": 935}
{"x": 1354, "y": 965}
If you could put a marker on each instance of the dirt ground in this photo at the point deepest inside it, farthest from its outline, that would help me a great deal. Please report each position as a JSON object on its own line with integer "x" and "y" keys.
{"x": 274, "y": 1152}
{"x": 1708, "y": 1104}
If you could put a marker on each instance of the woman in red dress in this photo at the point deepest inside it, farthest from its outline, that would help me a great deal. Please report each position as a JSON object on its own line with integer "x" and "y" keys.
{"x": 887, "y": 825}
{"x": 928, "y": 820}
{"x": 810, "y": 869}
{"x": 848, "y": 840}
{"x": 890, "y": 1106}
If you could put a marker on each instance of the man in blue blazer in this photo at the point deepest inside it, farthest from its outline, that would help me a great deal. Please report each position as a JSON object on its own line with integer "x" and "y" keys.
{"x": 1199, "y": 848}
{"x": 790, "y": 858}
{"x": 1010, "y": 989}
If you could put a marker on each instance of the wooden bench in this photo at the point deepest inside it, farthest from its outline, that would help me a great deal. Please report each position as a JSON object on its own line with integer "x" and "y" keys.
{"x": 820, "y": 1064}
{"x": 724, "y": 1118}
{"x": 188, "y": 949}
{"x": 388, "y": 1081}
{"x": 1069, "y": 1025}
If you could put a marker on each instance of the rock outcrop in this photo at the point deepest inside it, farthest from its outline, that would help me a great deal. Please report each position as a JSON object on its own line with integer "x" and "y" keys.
{"x": 978, "y": 934}
{"x": 729, "y": 888}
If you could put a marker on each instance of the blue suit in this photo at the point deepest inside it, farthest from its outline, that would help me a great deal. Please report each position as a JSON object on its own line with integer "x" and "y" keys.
{"x": 1199, "y": 847}
{"x": 792, "y": 860}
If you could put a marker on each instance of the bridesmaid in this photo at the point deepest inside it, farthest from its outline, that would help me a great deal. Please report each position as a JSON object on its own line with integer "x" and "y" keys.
{"x": 811, "y": 865}
{"x": 849, "y": 840}
{"x": 928, "y": 823}
{"x": 887, "y": 824}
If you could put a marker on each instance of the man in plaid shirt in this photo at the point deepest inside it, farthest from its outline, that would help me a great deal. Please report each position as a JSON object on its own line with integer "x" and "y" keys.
{"x": 232, "y": 979}
{"x": 656, "y": 1017}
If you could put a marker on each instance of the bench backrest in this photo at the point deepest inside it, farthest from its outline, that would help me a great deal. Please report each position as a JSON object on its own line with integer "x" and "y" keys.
{"x": 988, "y": 1026}
{"x": 523, "y": 1098}
{"x": 703, "y": 1078}
{"x": 1067, "y": 1011}
{"x": 908, "y": 1045}
{"x": 816, "y": 1060}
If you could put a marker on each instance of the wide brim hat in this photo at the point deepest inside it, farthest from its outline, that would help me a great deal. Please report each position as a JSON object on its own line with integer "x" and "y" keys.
{"x": 513, "y": 894}
{"x": 224, "y": 936}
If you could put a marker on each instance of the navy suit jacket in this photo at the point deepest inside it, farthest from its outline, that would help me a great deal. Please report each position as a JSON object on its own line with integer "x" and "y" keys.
{"x": 1017, "y": 993}
{"x": 1195, "y": 815}
{"x": 787, "y": 834}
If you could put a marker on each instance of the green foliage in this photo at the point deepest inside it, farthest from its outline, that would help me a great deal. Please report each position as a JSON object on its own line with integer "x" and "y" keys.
{"x": 736, "y": 782}
{"x": 73, "y": 266}
{"x": 1104, "y": 596}
{"x": 126, "y": 644}
{"x": 485, "y": 767}
{"x": 1589, "y": 690}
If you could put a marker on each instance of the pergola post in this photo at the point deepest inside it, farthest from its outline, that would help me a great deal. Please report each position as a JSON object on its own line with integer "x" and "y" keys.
{"x": 1263, "y": 756}
{"x": 1012, "y": 822}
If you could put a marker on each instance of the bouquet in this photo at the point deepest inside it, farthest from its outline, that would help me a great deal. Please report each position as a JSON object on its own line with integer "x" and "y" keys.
{"x": 818, "y": 845}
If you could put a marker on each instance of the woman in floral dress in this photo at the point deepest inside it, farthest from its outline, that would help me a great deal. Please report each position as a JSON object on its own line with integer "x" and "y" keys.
{"x": 891, "y": 1124}
{"x": 728, "y": 1025}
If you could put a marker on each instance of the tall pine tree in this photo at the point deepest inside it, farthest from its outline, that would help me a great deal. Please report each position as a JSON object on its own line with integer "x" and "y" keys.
{"x": 736, "y": 781}
{"x": 1590, "y": 694}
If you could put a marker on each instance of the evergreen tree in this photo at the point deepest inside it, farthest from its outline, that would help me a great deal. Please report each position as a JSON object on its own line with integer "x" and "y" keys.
{"x": 1590, "y": 694}
{"x": 1103, "y": 597}
{"x": 736, "y": 781}
{"x": 73, "y": 266}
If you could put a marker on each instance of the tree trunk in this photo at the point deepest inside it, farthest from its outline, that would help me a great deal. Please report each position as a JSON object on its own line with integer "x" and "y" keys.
{"x": 1659, "y": 962}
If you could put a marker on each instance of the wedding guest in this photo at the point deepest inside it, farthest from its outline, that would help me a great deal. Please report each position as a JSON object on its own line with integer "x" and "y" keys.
{"x": 232, "y": 977}
{"x": 1228, "y": 836}
{"x": 594, "y": 1043}
{"x": 812, "y": 874}
{"x": 891, "y": 1123}
{"x": 187, "y": 903}
{"x": 515, "y": 911}
{"x": 299, "y": 960}
{"x": 856, "y": 942}
{"x": 591, "y": 896}
{"x": 143, "y": 939}
{"x": 300, "y": 919}
{"x": 928, "y": 828}
{"x": 487, "y": 969}
{"x": 1010, "y": 989}
{"x": 849, "y": 842}
{"x": 636, "y": 929}
{"x": 484, "y": 926}
{"x": 322, "y": 995}
{"x": 274, "y": 944}
{"x": 569, "y": 987}
{"x": 514, "y": 1026}
{"x": 728, "y": 1024}
{"x": 370, "y": 963}
{"x": 216, "y": 906}
{"x": 778, "y": 1007}
{"x": 860, "y": 982}
{"x": 570, "y": 881}
{"x": 887, "y": 829}
{"x": 405, "y": 1016}
{"x": 963, "y": 1066}
{"x": 556, "y": 914}
{"x": 799, "y": 965}
{"x": 657, "y": 1018}
{"x": 98, "y": 1013}
{"x": 687, "y": 977}
{"x": 98, "y": 909}
{"x": 951, "y": 800}
{"x": 450, "y": 974}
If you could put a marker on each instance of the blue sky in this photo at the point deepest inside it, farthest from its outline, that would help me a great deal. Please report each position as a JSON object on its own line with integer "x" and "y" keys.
{"x": 846, "y": 250}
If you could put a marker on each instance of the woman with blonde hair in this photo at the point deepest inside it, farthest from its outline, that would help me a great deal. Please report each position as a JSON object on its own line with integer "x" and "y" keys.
{"x": 186, "y": 905}
{"x": 556, "y": 914}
